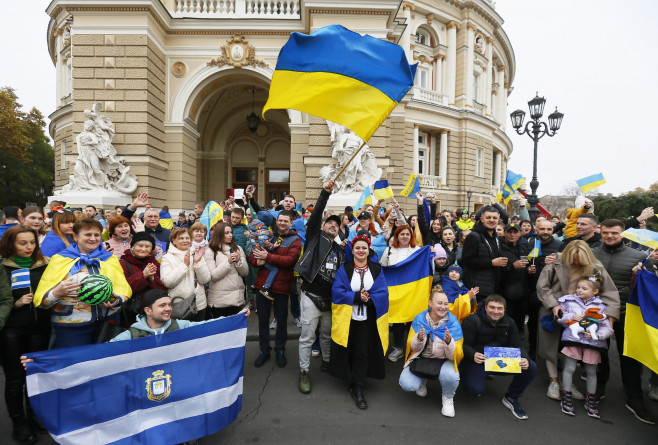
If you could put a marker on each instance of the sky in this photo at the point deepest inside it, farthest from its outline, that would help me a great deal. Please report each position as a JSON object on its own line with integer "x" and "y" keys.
{"x": 593, "y": 59}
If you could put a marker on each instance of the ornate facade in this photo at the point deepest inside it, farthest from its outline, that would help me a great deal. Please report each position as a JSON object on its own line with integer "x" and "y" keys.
{"x": 179, "y": 77}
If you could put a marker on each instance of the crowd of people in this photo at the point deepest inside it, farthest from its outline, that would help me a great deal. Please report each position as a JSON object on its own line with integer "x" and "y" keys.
{"x": 555, "y": 290}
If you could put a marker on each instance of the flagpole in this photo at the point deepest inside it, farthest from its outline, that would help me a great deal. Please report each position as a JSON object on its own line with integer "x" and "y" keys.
{"x": 348, "y": 162}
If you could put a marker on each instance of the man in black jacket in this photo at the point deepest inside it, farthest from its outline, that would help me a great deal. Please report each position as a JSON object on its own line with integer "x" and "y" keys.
{"x": 481, "y": 258}
{"x": 318, "y": 265}
{"x": 515, "y": 279}
{"x": 489, "y": 326}
{"x": 586, "y": 229}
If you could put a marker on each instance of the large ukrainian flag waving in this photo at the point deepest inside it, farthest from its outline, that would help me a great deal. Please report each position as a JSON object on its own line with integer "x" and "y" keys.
{"x": 641, "y": 339}
{"x": 339, "y": 75}
{"x": 409, "y": 284}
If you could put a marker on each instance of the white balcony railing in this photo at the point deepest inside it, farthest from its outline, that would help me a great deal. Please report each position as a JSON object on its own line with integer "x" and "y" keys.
{"x": 478, "y": 107}
{"x": 431, "y": 96}
{"x": 223, "y": 9}
{"x": 429, "y": 181}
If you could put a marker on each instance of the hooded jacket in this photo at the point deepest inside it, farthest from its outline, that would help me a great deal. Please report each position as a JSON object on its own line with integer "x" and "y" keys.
{"x": 141, "y": 325}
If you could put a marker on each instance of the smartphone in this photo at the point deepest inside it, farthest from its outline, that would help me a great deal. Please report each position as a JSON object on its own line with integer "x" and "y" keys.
{"x": 231, "y": 250}
{"x": 107, "y": 245}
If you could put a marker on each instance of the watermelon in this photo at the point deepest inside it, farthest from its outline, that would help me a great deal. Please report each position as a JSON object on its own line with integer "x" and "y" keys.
{"x": 96, "y": 289}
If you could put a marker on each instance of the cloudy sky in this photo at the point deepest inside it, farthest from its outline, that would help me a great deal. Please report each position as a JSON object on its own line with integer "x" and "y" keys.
{"x": 593, "y": 59}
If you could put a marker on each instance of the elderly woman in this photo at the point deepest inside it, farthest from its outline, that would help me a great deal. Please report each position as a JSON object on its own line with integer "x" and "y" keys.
{"x": 61, "y": 235}
{"x": 403, "y": 246}
{"x": 76, "y": 323}
{"x": 359, "y": 329}
{"x": 435, "y": 350}
{"x": 227, "y": 265}
{"x": 558, "y": 279}
{"x": 184, "y": 274}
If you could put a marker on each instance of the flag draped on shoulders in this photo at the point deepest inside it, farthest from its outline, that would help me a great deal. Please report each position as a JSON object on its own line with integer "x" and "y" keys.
{"x": 641, "y": 338}
{"x": 459, "y": 300}
{"x": 151, "y": 390}
{"x": 71, "y": 260}
{"x": 409, "y": 283}
{"x": 453, "y": 326}
{"x": 211, "y": 215}
{"x": 342, "y": 76}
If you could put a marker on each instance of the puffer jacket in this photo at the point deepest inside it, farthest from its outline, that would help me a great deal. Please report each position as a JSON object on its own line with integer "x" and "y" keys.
{"x": 573, "y": 305}
{"x": 180, "y": 278}
{"x": 284, "y": 257}
{"x": 226, "y": 284}
{"x": 619, "y": 261}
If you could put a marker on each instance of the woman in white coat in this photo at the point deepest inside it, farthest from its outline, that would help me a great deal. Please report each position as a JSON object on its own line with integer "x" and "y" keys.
{"x": 184, "y": 273}
{"x": 227, "y": 265}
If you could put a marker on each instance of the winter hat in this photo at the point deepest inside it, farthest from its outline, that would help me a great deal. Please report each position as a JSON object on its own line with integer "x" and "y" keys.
{"x": 439, "y": 252}
{"x": 151, "y": 296}
{"x": 456, "y": 268}
{"x": 142, "y": 236}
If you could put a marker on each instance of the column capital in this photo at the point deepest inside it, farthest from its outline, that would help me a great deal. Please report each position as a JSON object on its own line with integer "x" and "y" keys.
{"x": 501, "y": 68}
{"x": 471, "y": 27}
{"x": 439, "y": 57}
{"x": 416, "y": 126}
{"x": 443, "y": 131}
{"x": 489, "y": 40}
{"x": 409, "y": 6}
{"x": 453, "y": 24}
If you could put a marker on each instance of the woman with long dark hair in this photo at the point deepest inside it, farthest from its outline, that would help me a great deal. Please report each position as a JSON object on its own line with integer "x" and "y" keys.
{"x": 26, "y": 329}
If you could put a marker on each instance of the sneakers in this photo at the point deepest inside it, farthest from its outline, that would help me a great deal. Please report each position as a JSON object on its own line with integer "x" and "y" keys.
{"x": 567, "y": 404}
{"x": 315, "y": 352}
{"x": 553, "y": 391}
{"x": 422, "y": 389}
{"x": 266, "y": 294}
{"x": 448, "y": 407}
{"x": 298, "y": 322}
{"x": 304, "y": 382}
{"x": 577, "y": 395}
{"x": 273, "y": 325}
{"x": 653, "y": 393}
{"x": 262, "y": 358}
{"x": 515, "y": 407}
{"x": 637, "y": 408}
{"x": 281, "y": 359}
{"x": 395, "y": 355}
{"x": 590, "y": 406}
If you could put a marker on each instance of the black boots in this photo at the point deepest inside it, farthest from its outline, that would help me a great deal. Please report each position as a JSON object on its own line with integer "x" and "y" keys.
{"x": 359, "y": 398}
{"x": 22, "y": 433}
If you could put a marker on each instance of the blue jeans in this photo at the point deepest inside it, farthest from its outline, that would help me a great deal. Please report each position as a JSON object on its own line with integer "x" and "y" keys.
{"x": 448, "y": 377}
{"x": 474, "y": 379}
{"x": 274, "y": 271}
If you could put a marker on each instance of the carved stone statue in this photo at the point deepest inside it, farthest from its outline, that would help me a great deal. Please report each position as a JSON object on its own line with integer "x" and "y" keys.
{"x": 360, "y": 172}
{"x": 98, "y": 166}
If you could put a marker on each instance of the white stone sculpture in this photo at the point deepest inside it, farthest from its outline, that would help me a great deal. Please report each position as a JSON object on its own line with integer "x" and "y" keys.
{"x": 360, "y": 172}
{"x": 98, "y": 167}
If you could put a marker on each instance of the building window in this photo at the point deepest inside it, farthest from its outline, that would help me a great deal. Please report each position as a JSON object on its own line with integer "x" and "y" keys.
{"x": 478, "y": 162}
{"x": 476, "y": 87}
{"x": 423, "y": 152}
{"x": 246, "y": 176}
{"x": 422, "y": 78}
{"x": 422, "y": 37}
{"x": 278, "y": 175}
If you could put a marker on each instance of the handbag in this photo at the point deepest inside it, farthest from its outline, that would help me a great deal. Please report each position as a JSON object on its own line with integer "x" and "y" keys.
{"x": 183, "y": 308}
{"x": 109, "y": 329}
{"x": 426, "y": 368}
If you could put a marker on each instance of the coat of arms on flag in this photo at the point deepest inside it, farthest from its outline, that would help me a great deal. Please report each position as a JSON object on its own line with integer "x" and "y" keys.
{"x": 158, "y": 387}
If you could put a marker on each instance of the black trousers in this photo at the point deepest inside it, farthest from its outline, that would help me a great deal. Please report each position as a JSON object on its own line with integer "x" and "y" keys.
{"x": 517, "y": 310}
{"x": 216, "y": 312}
{"x": 357, "y": 347}
{"x": 14, "y": 342}
{"x": 264, "y": 307}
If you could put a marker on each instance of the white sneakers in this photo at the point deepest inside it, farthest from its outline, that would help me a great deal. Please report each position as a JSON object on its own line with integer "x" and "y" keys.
{"x": 395, "y": 355}
{"x": 422, "y": 389}
{"x": 448, "y": 408}
{"x": 554, "y": 392}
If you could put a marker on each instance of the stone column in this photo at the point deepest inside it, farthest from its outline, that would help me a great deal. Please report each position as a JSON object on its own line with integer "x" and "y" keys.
{"x": 443, "y": 157}
{"x": 432, "y": 169}
{"x": 470, "y": 57}
{"x": 502, "y": 97}
{"x": 405, "y": 40}
{"x": 451, "y": 61}
{"x": 487, "y": 88}
{"x": 415, "y": 150}
{"x": 299, "y": 142}
{"x": 496, "y": 170}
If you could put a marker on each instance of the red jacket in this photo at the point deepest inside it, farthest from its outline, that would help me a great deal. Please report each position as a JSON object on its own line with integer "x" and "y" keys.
{"x": 136, "y": 279}
{"x": 285, "y": 259}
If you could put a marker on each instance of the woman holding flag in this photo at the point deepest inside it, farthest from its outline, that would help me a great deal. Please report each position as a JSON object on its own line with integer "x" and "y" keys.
{"x": 25, "y": 329}
{"x": 434, "y": 350}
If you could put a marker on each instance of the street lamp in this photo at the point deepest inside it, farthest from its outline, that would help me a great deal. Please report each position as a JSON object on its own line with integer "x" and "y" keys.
{"x": 252, "y": 120}
{"x": 469, "y": 195}
{"x": 536, "y": 130}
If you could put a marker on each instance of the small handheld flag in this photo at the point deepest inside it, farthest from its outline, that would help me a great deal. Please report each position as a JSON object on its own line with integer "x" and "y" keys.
{"x": 166, "y": 222}
{"x": 412, "y": 187}
{"x": 536, "y": 251}
{"x": 383, "y": 190}
{"x": 644, "y": 237}
{"x": 20, "y": 278}
{"x": 365, "y": 198}
{"x": 212, "y": 214}
{"x": 591, "y": 182}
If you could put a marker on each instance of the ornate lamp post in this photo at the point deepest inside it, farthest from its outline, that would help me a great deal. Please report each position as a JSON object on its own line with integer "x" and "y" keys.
{"x": 469, "y": 195}
{"x": 536, "y": 130}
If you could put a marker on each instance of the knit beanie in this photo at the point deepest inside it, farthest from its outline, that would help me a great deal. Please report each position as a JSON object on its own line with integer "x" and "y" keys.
{"x": 455, "y": 268}
{"x": 142, "y": 236}
{"x": 439, "y": 252}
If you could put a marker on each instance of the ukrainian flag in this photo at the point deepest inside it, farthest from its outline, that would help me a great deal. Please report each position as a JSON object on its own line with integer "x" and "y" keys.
{"x": 453, "y": 326}
{"x": 383, "y": 189}
{"x": 536, "y": 251}
{"x": 644, "y": 237}
{"x": 166, "y": 222}
{"x": 512, "y": 184}
{"x": 211, "y": 215}
{"x": 412, "y": 187}
{"x": 365, "y": 198}
{"x": 641, "y": 338}
{"x": 591, "y": 182}
{"x": 339, "y": 75}
{"x": 409, "y": 284}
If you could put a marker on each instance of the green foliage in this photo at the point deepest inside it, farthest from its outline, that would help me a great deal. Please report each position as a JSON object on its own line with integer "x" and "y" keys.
{"x": 625, "y": 206}
{"x": 27, "y": 161}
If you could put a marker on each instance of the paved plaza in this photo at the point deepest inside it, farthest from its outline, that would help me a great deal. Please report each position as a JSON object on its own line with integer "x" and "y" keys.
{"x": 274, "y": 411}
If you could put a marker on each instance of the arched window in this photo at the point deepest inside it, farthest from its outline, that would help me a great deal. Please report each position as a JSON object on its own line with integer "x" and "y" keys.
{"x": 424, "y": 37}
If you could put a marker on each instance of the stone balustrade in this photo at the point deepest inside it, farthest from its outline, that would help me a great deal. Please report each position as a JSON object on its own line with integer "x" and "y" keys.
{"x": 429, "y": 181}
{"x": 431, "y": 96}
{"x": 224, "y": 9}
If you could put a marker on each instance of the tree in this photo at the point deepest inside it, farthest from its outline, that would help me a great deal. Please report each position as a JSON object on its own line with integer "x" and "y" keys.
{"x": 27, "y": 160}
{"x": 625, "y": 206}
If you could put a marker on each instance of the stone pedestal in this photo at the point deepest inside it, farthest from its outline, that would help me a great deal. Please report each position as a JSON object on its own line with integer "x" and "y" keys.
{"x": 338, "y": 202}
{"x": 105, "y": 199}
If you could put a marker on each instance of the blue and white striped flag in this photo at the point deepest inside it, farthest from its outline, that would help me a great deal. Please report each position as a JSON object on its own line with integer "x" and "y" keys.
{"x": 20, "y": 278}
{"x": 162, "y": 389}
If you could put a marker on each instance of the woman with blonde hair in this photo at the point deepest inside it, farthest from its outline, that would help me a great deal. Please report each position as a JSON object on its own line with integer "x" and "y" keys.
{"x": 559, "y": 279}
{"x": 61, "y": 234}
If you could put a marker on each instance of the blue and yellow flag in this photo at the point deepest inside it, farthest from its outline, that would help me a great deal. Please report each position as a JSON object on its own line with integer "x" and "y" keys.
{"x": 211, "y": 215}
{"x": 453, "y": 326}
{"x": 412, "y": 187}
{"x": 644, "y": 237}
{"x": 591, "y": 182}
{"x": 166, "y": 221}
{"x": 641, "y": 338}
{"x": 339, "y": 75}
{"x": 512, "y": 184}
{"x": 536, "y": 250}
{"x": 365, "y": 198}
{"x": 299, "y": 208}
{"x": 383, "y": 189}
{"x": 409, "y": 284}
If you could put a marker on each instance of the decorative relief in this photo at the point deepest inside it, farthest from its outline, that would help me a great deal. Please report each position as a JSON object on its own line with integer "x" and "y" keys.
{"x": 179, "y": 69}
{"x": 239, "y": 53}
{"x": 479, "y": 44}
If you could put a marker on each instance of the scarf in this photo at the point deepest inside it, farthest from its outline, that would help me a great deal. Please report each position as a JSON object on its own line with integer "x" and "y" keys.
{"x": 85, "y": 260}
{"x": 439, "y": 332}
{"x": 22, "y": 262}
